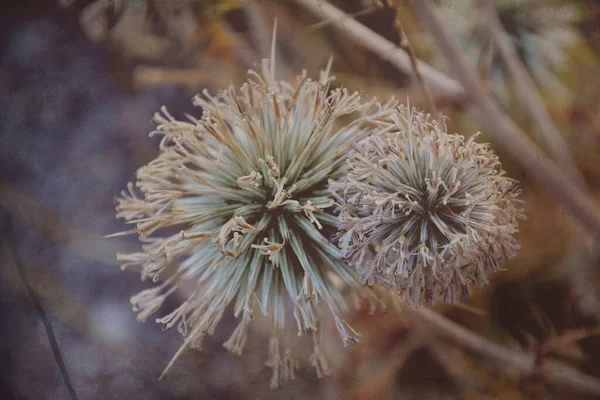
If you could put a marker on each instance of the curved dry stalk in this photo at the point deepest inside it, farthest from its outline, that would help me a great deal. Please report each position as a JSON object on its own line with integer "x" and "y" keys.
{"x": 507, "y": 133}
{"x": 373, "y": 385}
{"x": 552, "y": 370}
{"x": 33, "y": 297}
{"x": 386, "y": 50}
{"x": 405, "y": 44}
{"x": 322, "y": 24}
{"x": 578, "y": 261}
{"x": 548, "y": 132}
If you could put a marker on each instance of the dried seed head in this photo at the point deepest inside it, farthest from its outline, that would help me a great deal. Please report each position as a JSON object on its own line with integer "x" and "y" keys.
{"x": 245, "y": 189}
{"x": 424, "y": 212}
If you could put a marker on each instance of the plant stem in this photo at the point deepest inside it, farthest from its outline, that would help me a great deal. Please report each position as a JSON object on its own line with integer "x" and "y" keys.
{"x": 549, "y": 133}
{"x": 526, "y": 364}
{"x": 386, "y": 50}
{"x": 507, "y": 133}
{"x": 405, "y": 44}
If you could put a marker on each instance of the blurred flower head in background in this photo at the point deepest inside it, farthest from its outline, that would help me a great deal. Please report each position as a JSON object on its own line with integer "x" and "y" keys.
{"x": 424, "y": 212}
{"x": 237, "y": 204}
{"x": 541, "y": 31}
{"x": 152, "y": 29}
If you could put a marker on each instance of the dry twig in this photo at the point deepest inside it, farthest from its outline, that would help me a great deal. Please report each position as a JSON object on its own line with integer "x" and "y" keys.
{"x": 386, "y": 50}
{"x": 552, "y": 370}
{"x": 549, "y": 133}
{"x": 405, "y": 44}
{"x": 508, "y": 134}
{"x": 14, "y": 249}
{"x": 578, "y": 262}
{"x": 373, "y": 385}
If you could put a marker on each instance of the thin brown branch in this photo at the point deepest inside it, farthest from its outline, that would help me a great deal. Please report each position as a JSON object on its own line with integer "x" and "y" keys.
{"x": 455, "y": 365}
{"x": 14, "y": 249}
{"x": 405, "y": 44}
{"x": 558, "y": 342}
{"x": 470, "y": 309}
{"x": 386, "y": 50}
{"x": 507, "y": 133}
{"x": 322, "y": 24}
{"x": 526, "y": 364}
{"x": 578, "y": 265}
{"x": 549, "y": 133}
{"x": 374, "y": 384}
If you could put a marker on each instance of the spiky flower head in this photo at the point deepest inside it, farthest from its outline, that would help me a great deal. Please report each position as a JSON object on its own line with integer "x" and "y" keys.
{"x": 237, "y": 204}
{"x": 425, "y": 212}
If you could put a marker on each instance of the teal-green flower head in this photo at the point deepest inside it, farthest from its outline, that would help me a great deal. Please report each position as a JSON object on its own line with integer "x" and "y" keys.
{"x": 237, "y": 203}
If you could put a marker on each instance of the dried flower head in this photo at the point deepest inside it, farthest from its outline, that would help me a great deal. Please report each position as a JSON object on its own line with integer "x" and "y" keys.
{"x": 153, "y": 29}
{"x": 424, "y": 212}
{"x": 237, "y": 203}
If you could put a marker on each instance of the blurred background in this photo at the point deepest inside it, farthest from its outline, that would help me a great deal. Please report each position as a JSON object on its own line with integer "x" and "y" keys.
{"x": 80, "y": 82}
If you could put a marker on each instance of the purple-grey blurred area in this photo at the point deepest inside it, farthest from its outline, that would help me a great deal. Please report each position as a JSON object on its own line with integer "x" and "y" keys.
{"x": 73, "y": 133}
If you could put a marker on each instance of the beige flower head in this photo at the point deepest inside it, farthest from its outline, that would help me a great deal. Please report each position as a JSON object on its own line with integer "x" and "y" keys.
{"x": 424, "y": 212}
